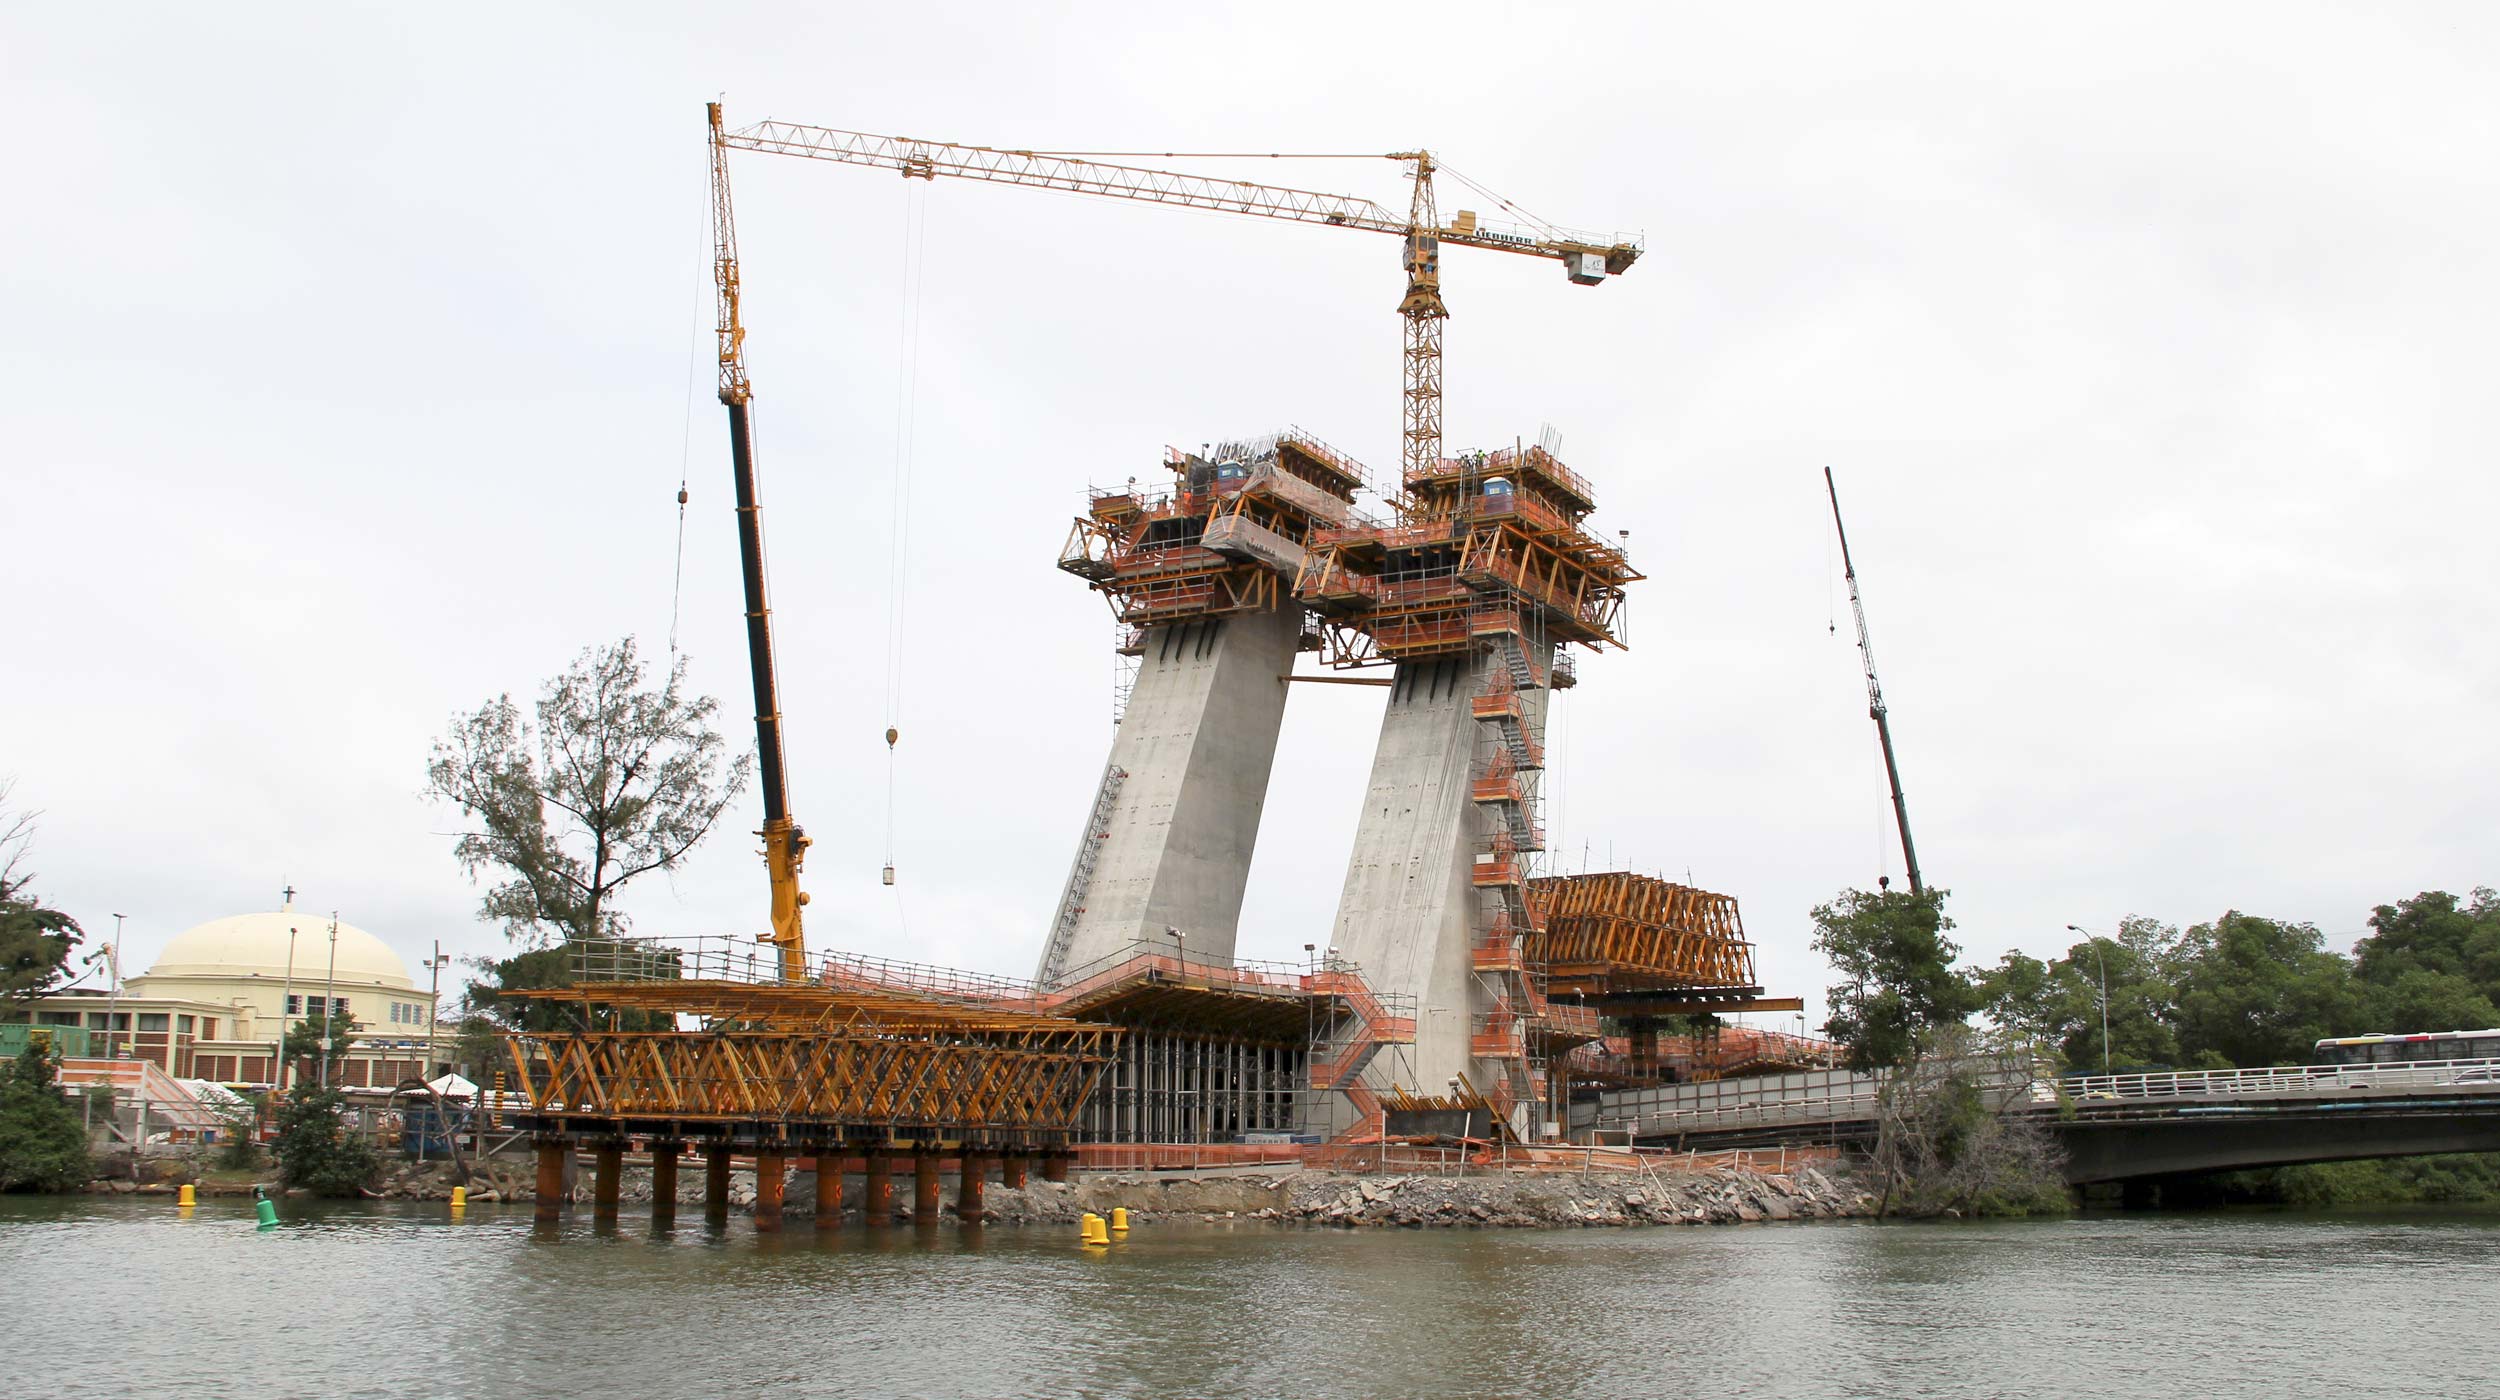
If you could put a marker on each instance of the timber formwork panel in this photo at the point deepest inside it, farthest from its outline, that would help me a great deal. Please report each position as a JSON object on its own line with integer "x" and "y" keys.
{"x": 1619, "y": 932}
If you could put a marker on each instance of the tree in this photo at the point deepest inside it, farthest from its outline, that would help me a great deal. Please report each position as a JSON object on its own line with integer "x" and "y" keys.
{"x": 317, "y": 1045}
{"x": 1941, "y": 1147}
{"x": 2256, "y": 992}
{"x": 43, "y": 1147}
{"x": 2432, "y": 963}
{"x": 1897, "y": 966}
{"x": 35, "y": 941}
{"x": 2059, "y": 1002}
{"x": 613, "y": 780}
{"x": 316, "y": 1153}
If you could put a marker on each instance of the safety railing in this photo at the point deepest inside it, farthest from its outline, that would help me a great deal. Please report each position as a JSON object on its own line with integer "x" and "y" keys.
{"x": 2292, "y": 1080}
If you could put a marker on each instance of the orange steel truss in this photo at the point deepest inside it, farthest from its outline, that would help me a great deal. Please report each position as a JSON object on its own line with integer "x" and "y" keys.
{"x": 842, "y": 1057}
{"x": 1614, "y": 933}
{"x": 1006, "y": 1087}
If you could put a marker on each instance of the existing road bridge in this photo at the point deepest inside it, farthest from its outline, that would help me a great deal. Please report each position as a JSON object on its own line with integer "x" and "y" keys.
{"x": 2113, "y": 1127}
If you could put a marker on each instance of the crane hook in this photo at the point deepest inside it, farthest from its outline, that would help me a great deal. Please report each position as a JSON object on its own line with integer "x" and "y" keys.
{"x": 890, "y": 736}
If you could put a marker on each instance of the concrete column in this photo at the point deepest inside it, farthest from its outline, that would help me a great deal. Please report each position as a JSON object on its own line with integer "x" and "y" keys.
{"x": 768, "y": 1183}
{"x": 664, "y": 1180}
{"x": 828, "y": 1188}
{"x": 970, "y": 1185}
{"x": 1011, "y": 1171}
{"x": 551, "y": 1193}
{"x": 715, "y": 1180}
{"x": 878, "y": 1206}
{"x": 1172, "y": 849}
{"x": 608, "y": 1170}
{"x": 1055, "y": 1166}
{"x": 924, "y": 1187}
{"x": 1410, "y": 910}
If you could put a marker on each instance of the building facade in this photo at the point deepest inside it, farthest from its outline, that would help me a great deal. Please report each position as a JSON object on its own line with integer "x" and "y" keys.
{"x": 218, "y": 1002}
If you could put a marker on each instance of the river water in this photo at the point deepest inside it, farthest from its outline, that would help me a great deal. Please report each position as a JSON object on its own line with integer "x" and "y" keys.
{"x": 124, "y": 1296}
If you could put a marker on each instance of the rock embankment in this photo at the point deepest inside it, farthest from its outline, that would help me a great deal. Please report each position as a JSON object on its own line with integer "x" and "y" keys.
{"x": 1494, "y": 1200}
{"x": 1483, "y": 1200}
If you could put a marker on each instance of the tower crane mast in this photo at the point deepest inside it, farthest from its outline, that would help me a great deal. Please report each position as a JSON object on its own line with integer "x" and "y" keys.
{"x": 1587, "y": 259}
{"x": 1875, "y": 693}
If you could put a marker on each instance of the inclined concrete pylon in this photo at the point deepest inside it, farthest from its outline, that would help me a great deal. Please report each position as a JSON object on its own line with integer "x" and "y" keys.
{"x": 1168, "y": 840}
{"x": 1411, "y": 913}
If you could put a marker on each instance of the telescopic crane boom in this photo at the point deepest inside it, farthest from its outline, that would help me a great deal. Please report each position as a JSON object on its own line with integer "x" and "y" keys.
{"x": 1875, "y": 693}
{"x": 785, "y": 845}
{"x": 1587, "y": 259}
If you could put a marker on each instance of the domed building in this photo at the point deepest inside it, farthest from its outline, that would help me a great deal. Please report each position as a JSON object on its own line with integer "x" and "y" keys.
{"x": 218, "y": 1001}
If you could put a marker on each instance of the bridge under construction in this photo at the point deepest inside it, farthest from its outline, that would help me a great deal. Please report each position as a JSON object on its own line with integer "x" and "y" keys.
{"x": 1461, "y": 991}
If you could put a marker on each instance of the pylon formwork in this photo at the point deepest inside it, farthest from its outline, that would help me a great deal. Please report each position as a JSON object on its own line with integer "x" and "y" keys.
{"x": 1198, "y": 573}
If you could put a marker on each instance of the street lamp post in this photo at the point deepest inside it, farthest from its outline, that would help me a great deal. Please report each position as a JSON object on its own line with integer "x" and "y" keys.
{"x": 330, "y": 1002}
{"x": 433, "y": 1000}
{"x": 2103, "y": 965}
{"x": 112, "y": 1004}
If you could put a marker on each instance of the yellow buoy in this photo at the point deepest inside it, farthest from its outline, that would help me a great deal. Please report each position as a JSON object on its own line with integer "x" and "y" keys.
{"x": 1090, "y": 1231}
{"x": 459, "y": 1198}
{"x": 1119, "y": 1217}
{"x": 187, "y": 1196}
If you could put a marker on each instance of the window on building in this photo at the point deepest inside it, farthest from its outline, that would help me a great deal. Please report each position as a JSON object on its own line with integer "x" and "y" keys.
{"x": 338, "y": 1006}
{"x": 294, "y": 1006}
{"x": 188, "y": 1025}
{"x": 151, "y": 1020}
{"x": 57, "y": 1018}
{"x": 96, "y": 1021}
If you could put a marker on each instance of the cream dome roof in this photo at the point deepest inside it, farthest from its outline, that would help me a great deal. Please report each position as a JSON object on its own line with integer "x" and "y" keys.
{"x": 257, "y": 943}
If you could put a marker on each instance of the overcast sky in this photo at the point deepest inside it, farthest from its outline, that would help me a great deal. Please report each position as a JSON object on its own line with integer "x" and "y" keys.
{"x": 347, "y": 384}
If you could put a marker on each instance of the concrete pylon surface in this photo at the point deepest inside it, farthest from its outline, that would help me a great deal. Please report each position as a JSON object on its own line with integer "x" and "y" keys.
{"x": 1167, "y": 844}
{"x": 1410, "y": 913}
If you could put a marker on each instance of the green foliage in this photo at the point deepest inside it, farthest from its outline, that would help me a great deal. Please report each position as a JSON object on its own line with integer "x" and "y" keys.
{"x": 315, "y": 1038}
{"x": 316, "y": 1153}
{"x": 2262, "y": 992}
{"x": 35, "y": 944}
{"x": 1940, "y": 1147}
{"x": 43, "y": 1146}
{"x": 2466, "y": 1178}
{"x": 236, "y": 1151}
{"x": 1897, "y": 969}
{"x": 613, "y": 780}
{"x": 35, "y": 941}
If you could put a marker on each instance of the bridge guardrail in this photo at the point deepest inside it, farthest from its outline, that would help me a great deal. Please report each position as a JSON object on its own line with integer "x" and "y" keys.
{"x": 2085, "y": 1092}
{"x": 2292, "y": 1079}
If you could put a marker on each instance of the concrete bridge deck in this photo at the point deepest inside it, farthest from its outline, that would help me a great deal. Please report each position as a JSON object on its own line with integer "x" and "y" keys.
{"x": 2119, "y": 1127}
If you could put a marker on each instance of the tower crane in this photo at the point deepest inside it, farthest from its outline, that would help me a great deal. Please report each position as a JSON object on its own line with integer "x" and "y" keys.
{"x": 1875, "y": 693}
{"x": 1587, "y": 259}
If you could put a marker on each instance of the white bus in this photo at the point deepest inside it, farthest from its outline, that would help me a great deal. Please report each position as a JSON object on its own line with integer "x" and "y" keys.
{"x": 2408, "y": 1049}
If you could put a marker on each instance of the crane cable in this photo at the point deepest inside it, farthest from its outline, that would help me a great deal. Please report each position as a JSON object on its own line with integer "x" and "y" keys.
{"x": 898, "y": 538}
{"x": 685, "y": 456}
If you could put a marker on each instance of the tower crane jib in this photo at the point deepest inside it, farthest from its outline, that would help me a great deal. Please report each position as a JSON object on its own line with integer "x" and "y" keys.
{"x": 1587, "y": 259}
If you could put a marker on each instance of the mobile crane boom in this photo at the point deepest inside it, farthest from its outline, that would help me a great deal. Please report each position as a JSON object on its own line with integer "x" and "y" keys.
{"x": 1875, "y": 693}
{"x": 785, "y": 845}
